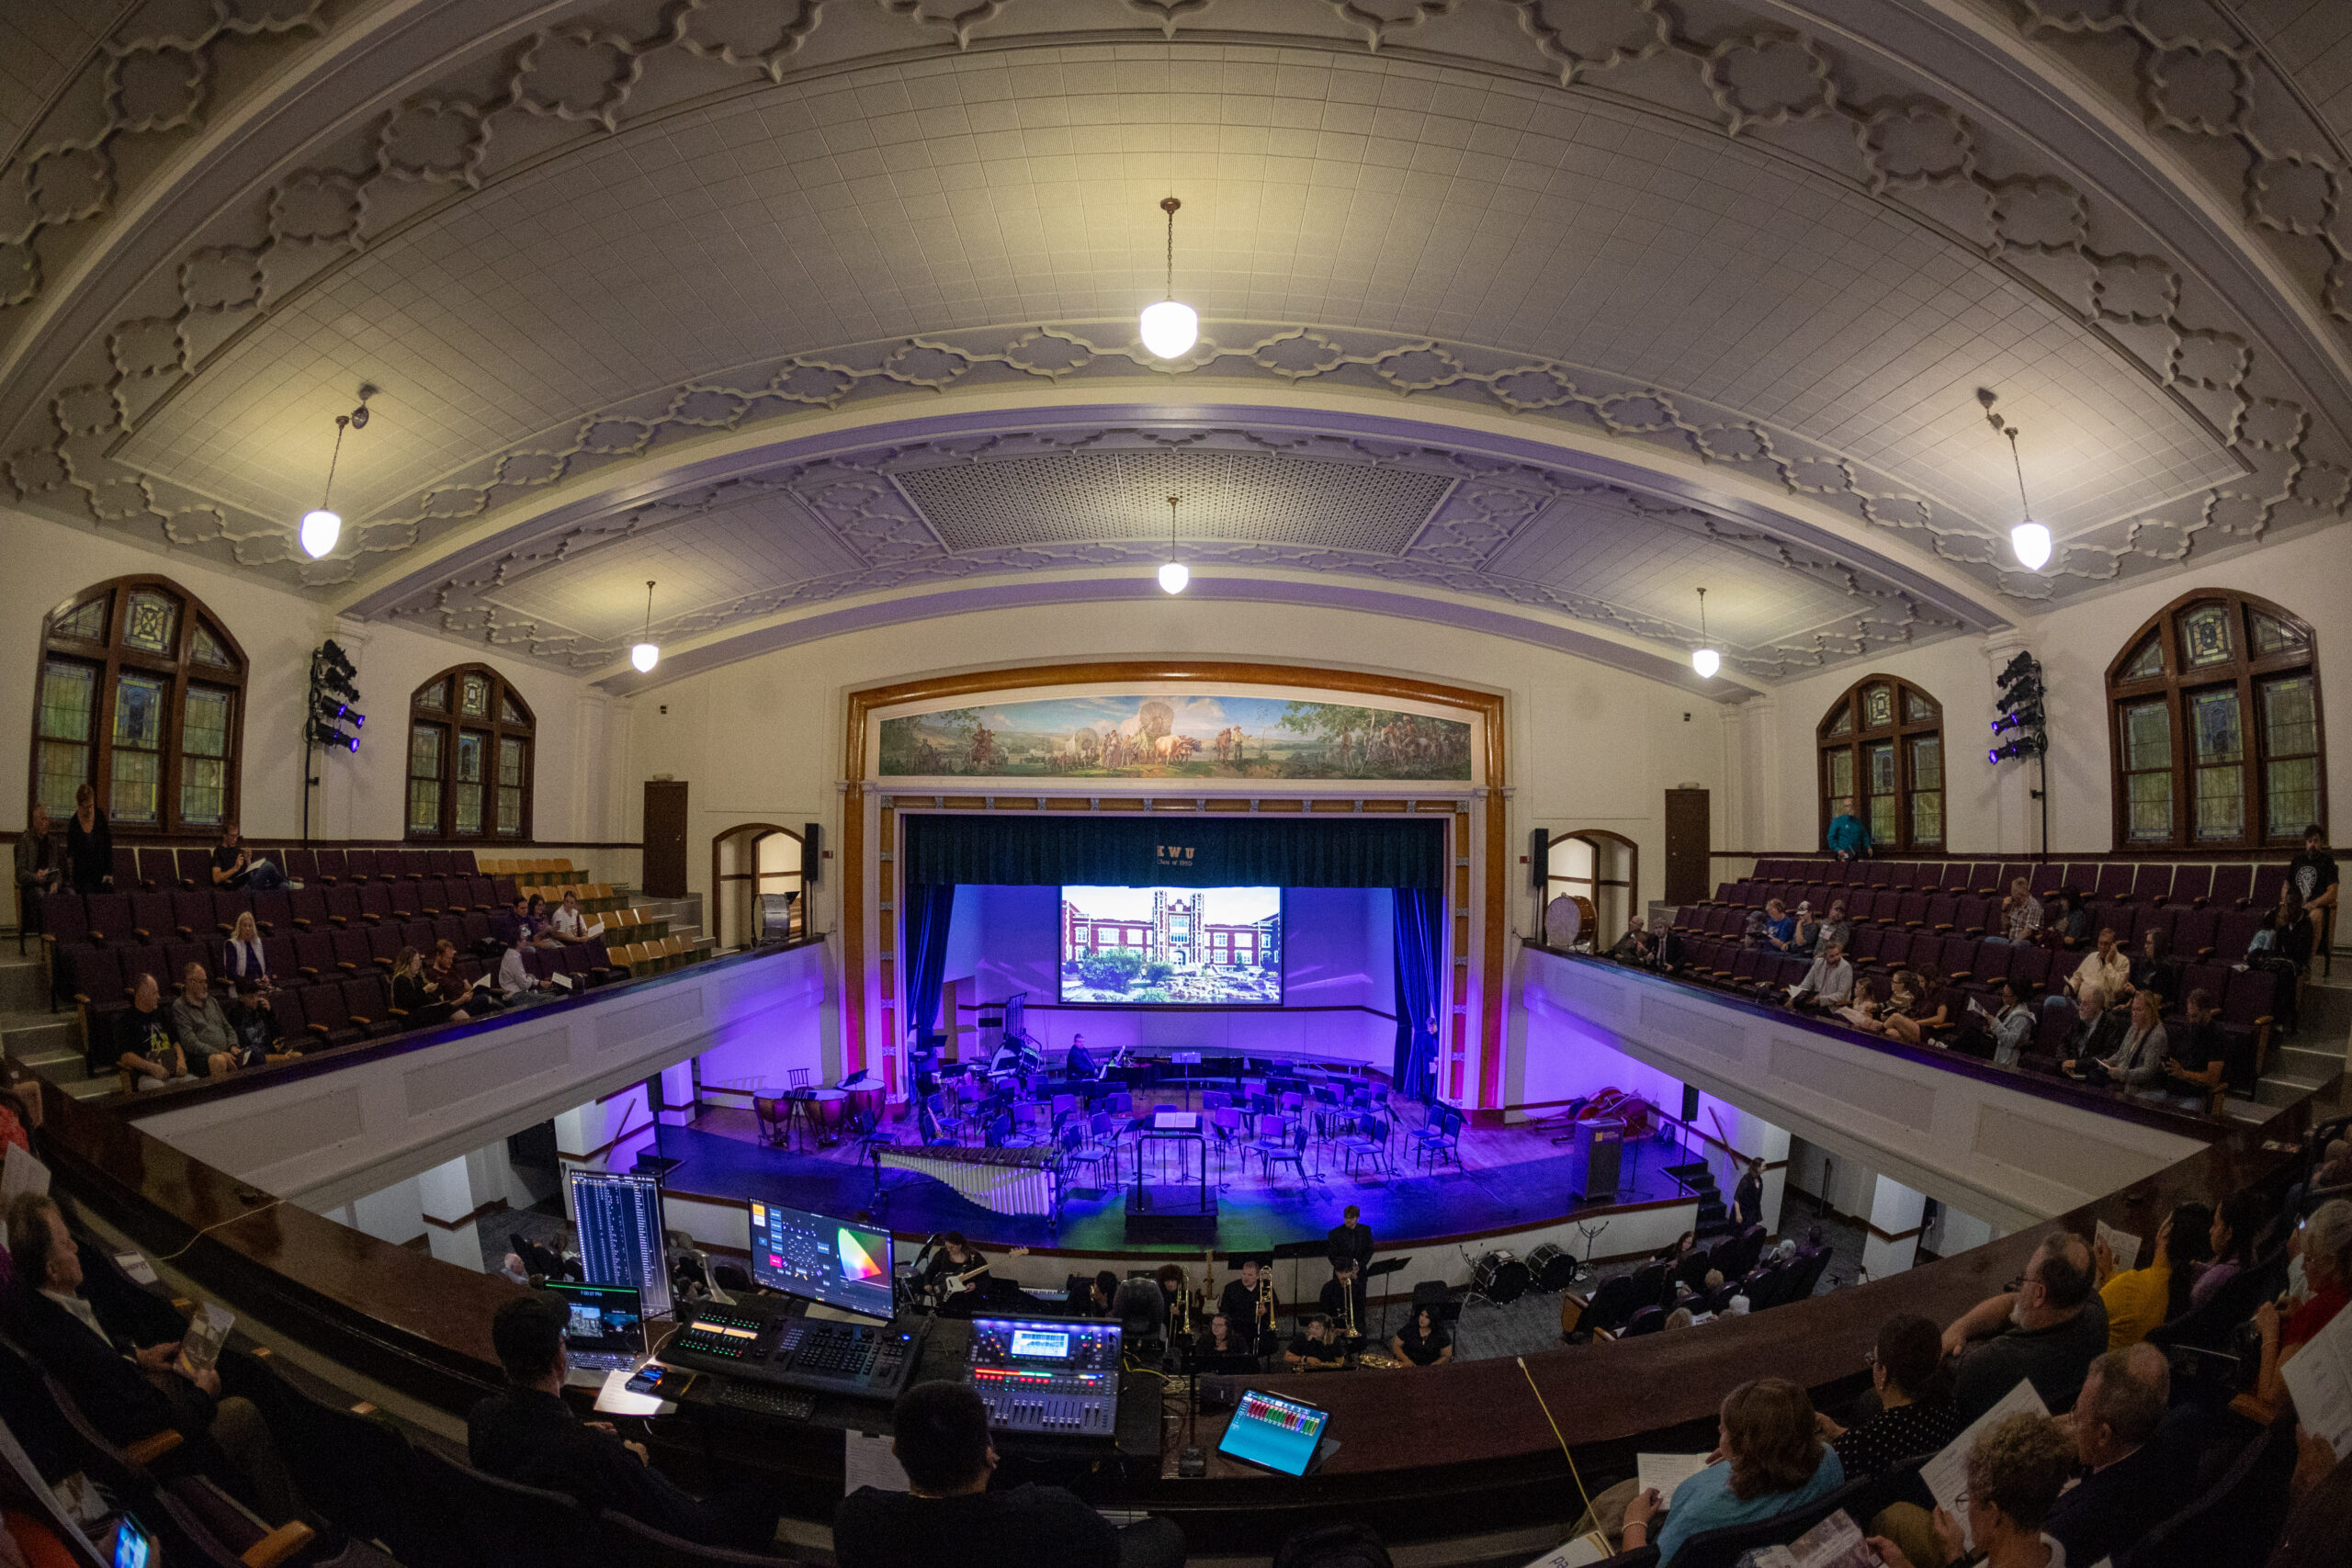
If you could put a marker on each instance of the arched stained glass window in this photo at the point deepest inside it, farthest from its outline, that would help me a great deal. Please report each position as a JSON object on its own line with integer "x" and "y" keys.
{"x": 1882, "y": 747}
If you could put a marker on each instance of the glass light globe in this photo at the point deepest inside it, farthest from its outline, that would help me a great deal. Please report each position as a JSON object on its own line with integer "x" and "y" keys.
{"x": 645, "y": 656}
{"x": 1706, "y": 661}
{"x": 1171, "y": 328}
{"x": 1173, "y": 576}
{"x": 321, "y": 529}
{"x": 2031, "y": 542}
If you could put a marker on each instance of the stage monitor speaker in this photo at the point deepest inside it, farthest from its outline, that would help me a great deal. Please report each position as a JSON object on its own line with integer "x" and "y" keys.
{"x": 1539, "y": 856}
{"x": 1690, "y": 1103}
{"x": 812, "y": 854}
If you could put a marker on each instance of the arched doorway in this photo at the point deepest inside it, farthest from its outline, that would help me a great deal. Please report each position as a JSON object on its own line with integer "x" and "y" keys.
{"x": 1604, "y": 866}
{"x": 746, "y": 861}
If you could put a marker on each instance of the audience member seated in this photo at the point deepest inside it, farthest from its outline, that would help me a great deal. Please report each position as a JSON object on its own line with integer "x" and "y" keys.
{"x": 2282, "y": 944}
{"x": 201, "y": 1026}
{"x": 242, "y": 957}
{"x": 535, "y": 922}
{"x": 2139, "y": 1057}
{"x": 2152, "y": 967}
{"x": 2106, "y": 968}
{"x": 2140, "y": 1299}
{"x": 2049, "y": 1329}
{"x": 2016, "y": 1470}
{"x": 1805, "y": 931}
{"x": 1913, "y": 1012}
{"x": 1780, "y": 926}
{"x": 2286, "y": 1326}
{"x": 254, "y": 1023}
{"x": 2019, "y": 916}
{"x": 1634, "y": 946}
{"x": 527, "y": 1434}
{"x": 1828, "y": 985}
{"x": 569, "y": 923}
{"x": 1914, "y": 1416}
{"x": 2199, "y": 1061}
{"x": 1774, "y": 1460}
{"x": 2098, "y": 1029}
{"x": 147, "y": 1053}
{"x": 2009, "y": 1026}
{"x": 2237, "y": 1222}
{"x": 2131, "y": 1484}
{"x": 2066, "y": 921}
{"x": 949, "y": 1517}
{"x": 1423, "y": 1342}
{"x": 515, "y": 982}
{"x": 1863, "y": 1010}
{"x": 1837, "y": 928}
{"x": 1314, "y": 1348}
{"x": 418, "y": 994}
{"x": 237, "y": 869}
{"x": 128, "y": 1390}
{"x": 446, "y": 981}
{"x": 37, "y": 873}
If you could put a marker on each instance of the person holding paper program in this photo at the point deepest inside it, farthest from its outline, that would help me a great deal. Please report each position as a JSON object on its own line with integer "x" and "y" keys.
{"x": 2327, "y": 1269}
{"x": 2015, "y": 1473}
{"x": 1771, "y": 1459}
{"x": 2140, "y": 1299}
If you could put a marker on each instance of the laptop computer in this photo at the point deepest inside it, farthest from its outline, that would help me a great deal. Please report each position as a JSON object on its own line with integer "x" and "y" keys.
{"x": 607, "y": 1326}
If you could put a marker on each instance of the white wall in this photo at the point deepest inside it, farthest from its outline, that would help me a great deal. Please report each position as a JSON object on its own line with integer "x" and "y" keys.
{"x": 1987, "y": 809}
{"x": 363, "y": 795}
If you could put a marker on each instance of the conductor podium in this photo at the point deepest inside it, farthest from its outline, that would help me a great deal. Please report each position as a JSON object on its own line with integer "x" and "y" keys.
{"x": 1182, "y": 1210}
{"x": 1596, "y": 1151}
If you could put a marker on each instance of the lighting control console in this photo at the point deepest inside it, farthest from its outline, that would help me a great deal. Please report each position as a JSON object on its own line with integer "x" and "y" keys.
{"x": 1058, "y": 1379}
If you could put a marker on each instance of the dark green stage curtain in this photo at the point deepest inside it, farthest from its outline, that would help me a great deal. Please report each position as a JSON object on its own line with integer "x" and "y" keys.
{"x": 1191, "y": 851}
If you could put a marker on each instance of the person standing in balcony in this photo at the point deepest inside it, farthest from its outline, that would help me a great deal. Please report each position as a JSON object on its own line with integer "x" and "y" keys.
{"x": 1848, "y": 839}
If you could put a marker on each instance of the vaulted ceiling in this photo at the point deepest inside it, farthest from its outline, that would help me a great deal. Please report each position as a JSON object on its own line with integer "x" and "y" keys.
{"x": 1531, "y": 316}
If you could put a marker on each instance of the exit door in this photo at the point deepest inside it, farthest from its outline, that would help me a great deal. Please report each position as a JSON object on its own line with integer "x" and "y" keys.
{"x": 665, "y": 838}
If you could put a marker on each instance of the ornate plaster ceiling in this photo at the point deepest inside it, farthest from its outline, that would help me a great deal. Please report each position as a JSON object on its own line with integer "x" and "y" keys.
{"x": 582, "y": 249}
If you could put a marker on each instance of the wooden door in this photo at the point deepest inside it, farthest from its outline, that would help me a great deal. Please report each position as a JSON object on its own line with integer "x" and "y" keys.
{"x": 1686, "y": 843}
{"x": 665, "y": 839}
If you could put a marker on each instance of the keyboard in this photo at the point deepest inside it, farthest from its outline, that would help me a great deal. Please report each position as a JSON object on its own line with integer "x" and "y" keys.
{"x": 763, "y": 1401}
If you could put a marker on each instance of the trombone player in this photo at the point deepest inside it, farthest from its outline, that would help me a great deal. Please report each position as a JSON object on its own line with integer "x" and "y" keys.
{"x": 1342, "y": 1302}
{"x": 1250, "y": 1307}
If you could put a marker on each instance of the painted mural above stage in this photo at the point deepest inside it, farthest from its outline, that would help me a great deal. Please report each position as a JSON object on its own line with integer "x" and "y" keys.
{"x": 1175, "y": 737}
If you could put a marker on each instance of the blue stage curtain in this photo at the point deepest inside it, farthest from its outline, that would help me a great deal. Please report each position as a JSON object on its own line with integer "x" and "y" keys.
{"x": 930, "y": 906}
{"x": 1049, "y": 850}
{"x": 1420, "y": 970}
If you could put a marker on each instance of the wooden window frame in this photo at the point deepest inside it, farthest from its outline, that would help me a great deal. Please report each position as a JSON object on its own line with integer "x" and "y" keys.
{"x": 494, "y": 728}
{"x": 1901, "y": 734}
{"x": 2248, "y": 672}
{"x": 111, "y": 658}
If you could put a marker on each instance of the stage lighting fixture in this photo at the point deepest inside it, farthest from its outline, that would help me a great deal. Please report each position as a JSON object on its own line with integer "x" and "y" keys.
{"x": 333, "y": 705}
{"x": 1169, "y": 329}
{"x": 1173, "y": 575}
{"x": 322, "y": 525}
{"x": 2020, "y": 710}
{"x": 2025, "y": 746}
{"x": 1704, "y": 658}
{"x": 646, "y": 653}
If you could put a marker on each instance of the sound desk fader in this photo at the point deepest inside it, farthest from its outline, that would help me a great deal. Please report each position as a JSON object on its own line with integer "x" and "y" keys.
{"x": 1055, "y": 1379}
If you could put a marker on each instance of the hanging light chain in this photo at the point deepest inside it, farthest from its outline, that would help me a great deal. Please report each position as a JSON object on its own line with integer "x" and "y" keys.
{"x": 2025, "y": 508}
{"x": 1169, "y": 205}
{"x": 649, "y": 609}
{"x": 342, "y": 423}
{"x": 1703, "y": 618}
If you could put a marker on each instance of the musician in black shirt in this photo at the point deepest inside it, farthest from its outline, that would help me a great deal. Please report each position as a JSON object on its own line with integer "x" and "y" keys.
{"x": 1314, "y": 1350}
{"x": 949, "y": 1517}
{"x": 956, "y": 1260}
{"x": 1225, "y": 1342}
{"x": 1424, "y": 1341}
{"x": 1343, "y": 1301}
{"x": 1352, "y": 1238}
{"x": 1249, "y": 1301}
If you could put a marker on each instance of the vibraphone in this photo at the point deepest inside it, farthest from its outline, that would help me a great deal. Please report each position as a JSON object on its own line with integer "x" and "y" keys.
{"x": 1003, "y": 1181}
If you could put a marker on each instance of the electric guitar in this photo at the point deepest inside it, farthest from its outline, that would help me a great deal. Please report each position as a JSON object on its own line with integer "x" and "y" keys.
{"x": 956, "y": 1284}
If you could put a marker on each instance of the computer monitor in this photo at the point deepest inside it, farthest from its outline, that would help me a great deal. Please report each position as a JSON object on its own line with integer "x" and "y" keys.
{"x": 607, "y": 1321}
{"x": 1273, "y": 1432}
{"x": 619, "y": 1220}
{"x": 821, "y": 1258}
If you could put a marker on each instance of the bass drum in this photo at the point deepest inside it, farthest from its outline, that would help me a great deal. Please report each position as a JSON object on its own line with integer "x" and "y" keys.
{"x": 1500, "y": 1277}
{"x": 1568, "y": 919}
{"x": 1551, "y": 1267}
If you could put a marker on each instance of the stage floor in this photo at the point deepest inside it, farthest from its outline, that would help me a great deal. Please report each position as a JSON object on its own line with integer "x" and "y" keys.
{"x": 1510, "y": 1178}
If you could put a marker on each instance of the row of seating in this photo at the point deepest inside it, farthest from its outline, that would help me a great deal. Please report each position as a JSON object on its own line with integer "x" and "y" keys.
{"x": 2180, "y": 885}
{"x": 71, "y": 919}
{"x": 2219, "y": 934}
{"x": 159, "y": 869}
{"x": 1708, "y": 949}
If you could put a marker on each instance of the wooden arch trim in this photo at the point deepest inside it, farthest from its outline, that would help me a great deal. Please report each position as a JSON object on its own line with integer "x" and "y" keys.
{"x": 1633, "y": 862}
{"x": 762, "y": 830}
{"x": 864, "y": 702}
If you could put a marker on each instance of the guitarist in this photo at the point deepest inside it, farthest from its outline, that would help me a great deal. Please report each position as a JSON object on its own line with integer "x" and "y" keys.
{"x": 958, "y": 1277}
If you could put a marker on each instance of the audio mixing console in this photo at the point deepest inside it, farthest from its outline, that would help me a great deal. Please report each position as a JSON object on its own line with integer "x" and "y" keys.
{"x": 1060, "y": 1379}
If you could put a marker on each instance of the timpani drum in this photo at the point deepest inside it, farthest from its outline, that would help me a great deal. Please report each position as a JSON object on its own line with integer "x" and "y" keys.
{"x": 825, "y": 1109}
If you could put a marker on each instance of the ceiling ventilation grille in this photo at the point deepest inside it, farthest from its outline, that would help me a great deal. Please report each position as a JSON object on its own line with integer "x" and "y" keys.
{"x": 1078, "y": 497}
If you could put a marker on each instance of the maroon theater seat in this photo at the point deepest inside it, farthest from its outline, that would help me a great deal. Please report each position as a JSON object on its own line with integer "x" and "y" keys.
{"x": 66, "y": 920}
{"x": 157, "y": 873}
{"x": 384, "y": 944}
{"x": 401, "y": 894}
{"x": 375, "y": 903}
{"x": 301, "y": 866}
{"x": 111, "y": 919}
{"x": 273, "y": 911}
{"x": 331, "y": 866}
{"x": 151, "y": 916}
{"x": 278, "y": 952}
{"x": 350, "y": 951}
{"x": 195, "y": 870}
{"x": 330, "y": 1018}
{"x": 2267, "y": 881}
{"x": 307, "y": 907}
{"x": 125, "y": 870}
{"x": 369, "y": 1006}
{"x": 314, "y": 954}
{"x": 2152, "y": 883}
{"x": 2233, "y": 886}
{"x": 2192, "y": 886}
{"x": 2194, "y": 931}
{"x": 1943, "y": 912}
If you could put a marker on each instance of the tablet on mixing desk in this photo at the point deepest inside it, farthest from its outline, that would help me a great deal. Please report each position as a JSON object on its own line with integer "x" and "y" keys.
{"x": 1273, "y": 1432}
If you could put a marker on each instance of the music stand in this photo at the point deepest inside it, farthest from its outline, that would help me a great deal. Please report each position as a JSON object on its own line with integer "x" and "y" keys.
{"x": 1386, "y": 1266}
{"x": 1295, "y": 1250}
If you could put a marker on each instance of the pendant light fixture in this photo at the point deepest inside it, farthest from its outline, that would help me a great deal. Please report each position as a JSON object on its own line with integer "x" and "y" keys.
{"x": 1171, "y": 328}
{"x": 2028, "y": 539}
{"x": 647, "y": 653}
{"x": 321, "y": 527}
{"x": 1173, "y": 576}
{"x": 1703, "y": 658}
